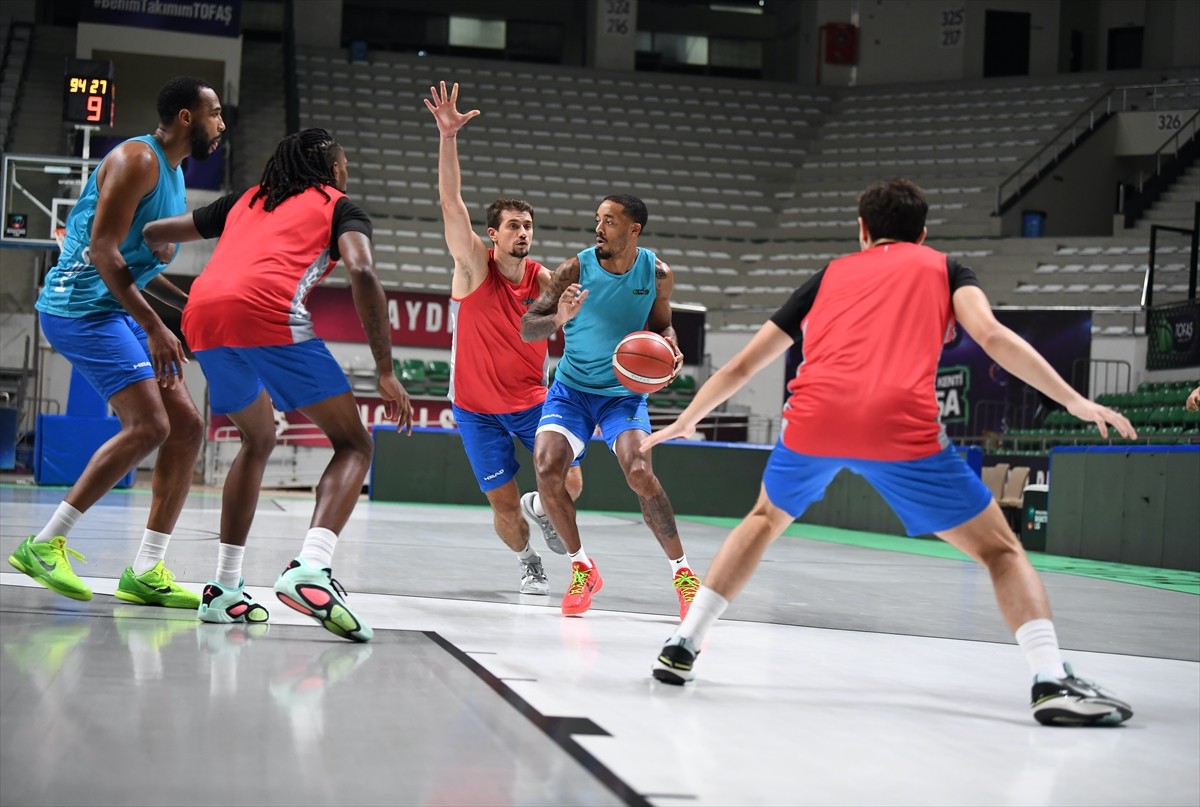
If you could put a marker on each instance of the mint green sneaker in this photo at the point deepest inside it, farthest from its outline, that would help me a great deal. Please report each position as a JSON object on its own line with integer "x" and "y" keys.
{"x": 47, "y": 563}
{"x": 225, "y": 605}
{"x": 156, "y": 586}
{"x": 313, "y": 592}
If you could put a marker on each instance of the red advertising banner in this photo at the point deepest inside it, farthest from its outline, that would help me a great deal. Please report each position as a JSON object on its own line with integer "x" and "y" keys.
{"x": 293, "y": 428}
{"x": 419, "y": 319}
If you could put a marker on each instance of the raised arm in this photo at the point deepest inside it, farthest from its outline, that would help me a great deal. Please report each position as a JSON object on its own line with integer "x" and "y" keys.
{"x": 556, "y": 305}
{"x": 128, "y": 175}
{"x": 659, "y": 320}
{"x": 1014, "y": 354}
{"x": 371, "y": 304}
{"x": 468, "y": 251}
{"x": 766, "y": 346}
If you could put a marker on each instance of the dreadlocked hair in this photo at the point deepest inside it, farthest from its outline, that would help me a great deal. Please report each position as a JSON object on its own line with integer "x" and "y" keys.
{"x": 301, "y": 161}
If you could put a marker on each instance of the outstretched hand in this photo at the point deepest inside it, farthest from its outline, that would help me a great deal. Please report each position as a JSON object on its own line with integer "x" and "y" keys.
{"x": 673, "y": 431}
{"x": 445, "y": 109}
{"x": 570, "y": 301}
{"x": 1102, "y": 416}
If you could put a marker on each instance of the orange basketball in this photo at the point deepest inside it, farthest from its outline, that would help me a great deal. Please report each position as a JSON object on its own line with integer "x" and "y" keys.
{"x": 643, "y": 362}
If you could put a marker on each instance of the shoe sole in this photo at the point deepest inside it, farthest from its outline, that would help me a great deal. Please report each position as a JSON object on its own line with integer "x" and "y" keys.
{"x": 668, "y": 675}
{"x": 541, "y": 592}
{"x": 324, "y": 615}
{"x": 1060, "y": 716}
{"x": 127, "y": 596}
{"x": 82, "y": 596}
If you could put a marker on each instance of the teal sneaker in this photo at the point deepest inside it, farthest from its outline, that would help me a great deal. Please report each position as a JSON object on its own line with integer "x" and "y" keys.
{"x": 313, "y": 592}
{"x": 155, "y": 586}
{"x": 225, "y": 605}
{"x": 47, "y": 563}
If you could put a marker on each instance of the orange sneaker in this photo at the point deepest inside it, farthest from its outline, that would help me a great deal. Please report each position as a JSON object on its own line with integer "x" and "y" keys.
{"x": 585, "y": 581}
{"x": 686, "y": 586}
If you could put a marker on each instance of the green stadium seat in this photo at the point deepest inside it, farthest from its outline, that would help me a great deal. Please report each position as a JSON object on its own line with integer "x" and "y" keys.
{"x": 437, "y": 376}
{"x": 412, "y": 375}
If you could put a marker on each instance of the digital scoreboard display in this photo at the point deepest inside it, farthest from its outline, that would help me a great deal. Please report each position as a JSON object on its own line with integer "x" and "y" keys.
{"x": 89, "y": 92}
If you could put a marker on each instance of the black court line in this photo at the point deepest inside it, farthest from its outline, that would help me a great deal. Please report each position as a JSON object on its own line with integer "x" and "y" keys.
{"x": 558, "y": 729}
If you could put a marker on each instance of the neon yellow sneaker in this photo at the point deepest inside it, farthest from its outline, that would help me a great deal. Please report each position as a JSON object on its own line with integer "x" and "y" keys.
{"x": 47, "y": 563}
{"x": 155, "y": 586}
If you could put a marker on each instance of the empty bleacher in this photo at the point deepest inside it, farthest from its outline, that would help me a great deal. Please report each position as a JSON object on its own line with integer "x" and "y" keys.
{"x": 751, "y": 186}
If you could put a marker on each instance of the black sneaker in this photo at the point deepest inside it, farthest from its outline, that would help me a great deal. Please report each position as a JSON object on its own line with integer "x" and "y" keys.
{"x": 1072, "y": 701}
{"x": 674, "y": 662}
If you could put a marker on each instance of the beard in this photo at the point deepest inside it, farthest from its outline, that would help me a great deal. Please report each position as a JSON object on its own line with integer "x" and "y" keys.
{"x": 604, "y": 252}
{"x": 201, "y": 145}
{"x": 519, "y": 252}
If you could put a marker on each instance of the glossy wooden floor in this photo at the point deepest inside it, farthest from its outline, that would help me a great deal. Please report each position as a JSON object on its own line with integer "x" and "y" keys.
{"x": 843, "y": 676}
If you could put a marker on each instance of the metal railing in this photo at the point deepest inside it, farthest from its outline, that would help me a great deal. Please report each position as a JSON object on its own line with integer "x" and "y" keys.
{"x": 1050, "y": 153}
{"x": 1118, "y": 99}
{"x": 1173, "y": 141}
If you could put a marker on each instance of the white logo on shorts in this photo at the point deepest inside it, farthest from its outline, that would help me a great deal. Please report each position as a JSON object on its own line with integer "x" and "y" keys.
{"x": 141, "y": 364}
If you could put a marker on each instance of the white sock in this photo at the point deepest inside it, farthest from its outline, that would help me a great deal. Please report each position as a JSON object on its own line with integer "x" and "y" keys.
{"x": 62, "y": 522}
{"x": 152, "y": 550}
{"x": 681, "y": 563}
{"x": 580, "y": 557}
{"x": 528, "y": 553}
{"x": 706, "y": 609}
{"x": 229, "y": 565}
{"x": 318, "y": 547}
{"x": 1039, "y": 643}
{"x": 537, "y": 505}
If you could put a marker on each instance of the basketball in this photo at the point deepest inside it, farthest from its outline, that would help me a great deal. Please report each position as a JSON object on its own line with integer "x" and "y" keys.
{"x": 643, "y": 362}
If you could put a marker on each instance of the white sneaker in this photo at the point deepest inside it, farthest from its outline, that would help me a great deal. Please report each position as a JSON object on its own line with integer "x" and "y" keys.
{"x": 553, "y": 542}
{"x": 533, "y": 577}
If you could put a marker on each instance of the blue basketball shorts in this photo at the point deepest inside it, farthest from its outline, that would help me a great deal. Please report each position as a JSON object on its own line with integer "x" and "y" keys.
{"x": 932, "y": 494}
{"x": 575, "y": 415}
{"x": 109, "y": 350}
{"x": 488, "y": 441}
{"x": 295, "y": 376}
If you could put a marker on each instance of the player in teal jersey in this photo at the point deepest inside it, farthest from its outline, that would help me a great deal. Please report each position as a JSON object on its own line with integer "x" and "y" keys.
{"x": 598, "y": 297}
{"x": 92, "y": 311}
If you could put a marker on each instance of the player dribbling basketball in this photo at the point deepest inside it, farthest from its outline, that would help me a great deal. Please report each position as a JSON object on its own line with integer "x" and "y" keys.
{"x": 598, "y": 297}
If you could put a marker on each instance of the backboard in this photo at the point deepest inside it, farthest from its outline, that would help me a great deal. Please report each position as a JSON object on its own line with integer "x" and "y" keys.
{"x": 38, "y": 193}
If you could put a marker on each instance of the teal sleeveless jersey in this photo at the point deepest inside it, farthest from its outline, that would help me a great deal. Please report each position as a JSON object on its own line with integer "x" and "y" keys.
{"x": 616, "y": 306}
{"x": 73, "y": 287}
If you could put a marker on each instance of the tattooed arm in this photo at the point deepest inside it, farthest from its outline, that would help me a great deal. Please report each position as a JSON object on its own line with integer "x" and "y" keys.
{"x": 371, "y": 304}
{"x": 556, "y": 306}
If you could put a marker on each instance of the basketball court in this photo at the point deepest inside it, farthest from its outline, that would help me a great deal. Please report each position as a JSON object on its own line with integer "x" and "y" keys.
{"x": 855, "y": 669}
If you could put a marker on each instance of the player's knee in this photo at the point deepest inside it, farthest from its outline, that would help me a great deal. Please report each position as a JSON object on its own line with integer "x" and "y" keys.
{"x": 548, "y": 466}
{"x": 188, "y": 429}
{"x": 641, "y": 479}
{"x": 1001, "y": 546}
{"x": 151, "y": 432}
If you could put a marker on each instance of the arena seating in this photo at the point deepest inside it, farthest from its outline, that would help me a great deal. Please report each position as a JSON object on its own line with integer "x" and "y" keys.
{"x": 751, "y": 186}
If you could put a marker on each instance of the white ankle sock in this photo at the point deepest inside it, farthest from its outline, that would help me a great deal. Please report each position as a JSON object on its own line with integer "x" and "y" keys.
{"x": 682, "y": 563}
{"x": 318, "y": 547}
{"x": 580, "y": 557}
{"x": 1039, "y": 643}
{"x": 528, "y": 553}
{"x": 537, "y": 505}
{"x": 152, "y": 550}
{"x": 60, "y": 524}
{"x": 706, "y": 609}
{"x": 229, "y": 565}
